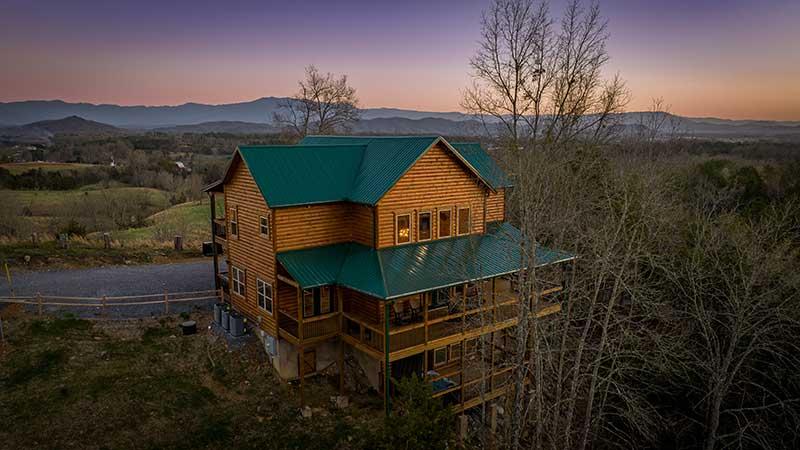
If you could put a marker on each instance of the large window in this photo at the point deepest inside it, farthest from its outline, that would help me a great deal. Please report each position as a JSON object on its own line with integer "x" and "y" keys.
{"x": 440, "y": 356}
{"x": 318, "y": 300}
{"x": 263, "y": 226}
{"x": 445, "y": 224}
{"x": 264, "y": 295}
{"x": 234, "y": 221}
{"x": 463, "y": 221}
{"x": 403, "y": 228}
{"x": 424, "y": 226}
{"x": 238, "y": 280}
{"x": 440, "y": 298}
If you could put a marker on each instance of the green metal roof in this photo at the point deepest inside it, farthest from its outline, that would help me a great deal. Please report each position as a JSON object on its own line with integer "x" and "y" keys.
{"x": 483, "y": 163}
{"x": 408, "y": 269}
{"x": 359, "y": 169}
{"x": 290, "y": 175}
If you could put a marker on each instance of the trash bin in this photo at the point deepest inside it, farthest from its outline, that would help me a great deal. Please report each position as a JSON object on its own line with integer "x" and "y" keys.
{"x": 189, "y": 327}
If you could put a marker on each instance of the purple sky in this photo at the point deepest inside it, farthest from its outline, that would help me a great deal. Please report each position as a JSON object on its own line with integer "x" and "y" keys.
{"x": 733, "y": 59}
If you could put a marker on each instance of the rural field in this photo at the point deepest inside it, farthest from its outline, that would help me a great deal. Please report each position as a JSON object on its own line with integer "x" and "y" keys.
{"x": 142, "y": 221}
{"x": 75, "y": 384}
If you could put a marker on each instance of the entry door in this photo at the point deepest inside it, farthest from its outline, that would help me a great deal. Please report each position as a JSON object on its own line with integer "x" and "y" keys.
{"x": 309, "y": 361}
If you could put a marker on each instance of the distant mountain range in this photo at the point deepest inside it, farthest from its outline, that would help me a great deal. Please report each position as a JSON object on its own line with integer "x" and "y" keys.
{"x": 38, "y": 121}
{"x": 41, "y": 132}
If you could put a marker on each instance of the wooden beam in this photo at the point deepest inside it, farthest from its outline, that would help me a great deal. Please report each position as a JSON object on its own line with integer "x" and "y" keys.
{"x": 288, "y": 281}
{"x": 300, "y": 314}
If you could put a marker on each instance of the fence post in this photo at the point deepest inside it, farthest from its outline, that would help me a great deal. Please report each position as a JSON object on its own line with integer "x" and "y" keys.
{"x": 39, "y": 302}
{"x": 166, "y": 302}
{"x": 106, "y": 240}
{"x": 179, "y": 243}
{"x": 105, "y": 312}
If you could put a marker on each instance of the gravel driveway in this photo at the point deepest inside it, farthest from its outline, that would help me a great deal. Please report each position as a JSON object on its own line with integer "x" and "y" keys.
{"x": 118, "y": 281}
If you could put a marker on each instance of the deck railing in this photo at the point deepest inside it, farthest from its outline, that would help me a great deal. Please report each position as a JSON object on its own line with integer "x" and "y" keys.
{"x": 313, "y": 327}
{"x": 442, "y": 323}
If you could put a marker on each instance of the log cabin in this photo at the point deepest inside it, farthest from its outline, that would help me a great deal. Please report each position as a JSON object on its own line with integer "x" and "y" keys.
{"x": 392, "y": 252}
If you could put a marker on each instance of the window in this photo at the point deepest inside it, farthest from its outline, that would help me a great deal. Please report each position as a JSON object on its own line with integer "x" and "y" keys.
{"x": 471, "y": 347}
{"x": 263, "y": 226}
{"x": 238, "y": 280}
{"x": 318, "y": 300}
{"x": 403, "y": 228}
{"x": 234, "y": 221}
{"x": 463, "y": 221}
{"x": 325, "y": 300}
{"x": 455, "y": 351}
{"x": 308, "y": 302}
{"x": 440, "y": 298}
{"x": 264, "y": 295}
{"x": 440, "y": 356}
{"x": 423, "y": 226}
{"x": 445, "y": 226}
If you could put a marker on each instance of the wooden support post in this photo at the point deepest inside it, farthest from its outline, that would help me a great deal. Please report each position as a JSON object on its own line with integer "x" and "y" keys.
{"x": 387, "y": 366}
{"x": 492, "y": 425}
{"x": 106, "y": 240}
{"x": 9, "y": 279}
{"x": 341, "y": 367}
{"x": 39, "y": 302}
{"x": 166, "y": 302}
{"x": 179, "y": 243}
{"x": 425, "y": 298}
{"x": 463, "y": 425}
{"x": 491, "y": 368}
{"x": 464, "y": 310}
{"x": 463, "y": 378}
{"x": 301, "y": 362}
{"x": 34, "y": 239}
{"x": 300, "y": 314}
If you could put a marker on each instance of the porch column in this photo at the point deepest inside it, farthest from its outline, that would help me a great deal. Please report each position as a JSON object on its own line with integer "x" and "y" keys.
{"x": 387, "y": 366}
{"x": 211, "y": 198}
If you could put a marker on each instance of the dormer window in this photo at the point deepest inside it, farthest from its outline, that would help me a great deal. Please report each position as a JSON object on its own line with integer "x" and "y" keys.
{"x": 403, "y": 228}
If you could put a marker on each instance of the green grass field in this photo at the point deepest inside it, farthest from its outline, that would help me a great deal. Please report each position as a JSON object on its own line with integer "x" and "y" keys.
{"x": 190, "y": 220}
{"x": 18, "y": 168}
{"x": 48, "y": 203}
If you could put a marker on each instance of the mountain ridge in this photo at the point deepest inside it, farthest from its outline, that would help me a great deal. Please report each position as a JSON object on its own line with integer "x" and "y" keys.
{"x": 254, "y": 117}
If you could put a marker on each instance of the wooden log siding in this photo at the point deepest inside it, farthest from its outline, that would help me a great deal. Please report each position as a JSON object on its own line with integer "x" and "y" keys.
{"x": 362, "y": 305}
{"x": 288, "y": 296}
{"x": 496, "y": 205}
{"x": 250, "y": 251}
{"x": 437, "y": 180}
{"x": 316, "y": 225}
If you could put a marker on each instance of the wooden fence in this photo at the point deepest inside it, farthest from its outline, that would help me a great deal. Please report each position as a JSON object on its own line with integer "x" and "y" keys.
{"x": 104, "y": 303}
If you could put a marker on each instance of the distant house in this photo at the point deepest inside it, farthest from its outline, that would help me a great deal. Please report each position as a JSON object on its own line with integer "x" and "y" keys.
{"x": 393, "y": 250}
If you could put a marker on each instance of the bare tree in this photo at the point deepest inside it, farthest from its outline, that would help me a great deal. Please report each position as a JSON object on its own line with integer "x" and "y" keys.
{"x": 325, "y": 104}
{"x": 533, "y": 85}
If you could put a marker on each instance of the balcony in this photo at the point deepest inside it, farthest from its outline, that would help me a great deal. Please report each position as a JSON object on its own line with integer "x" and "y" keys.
{"x": 218, "y": 226}
{"x": 413, "y": 329}
{"x": 313, "y": 329}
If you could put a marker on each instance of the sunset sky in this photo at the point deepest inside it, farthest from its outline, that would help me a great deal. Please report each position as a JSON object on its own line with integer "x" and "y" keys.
{"x": 730, "y": 59}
